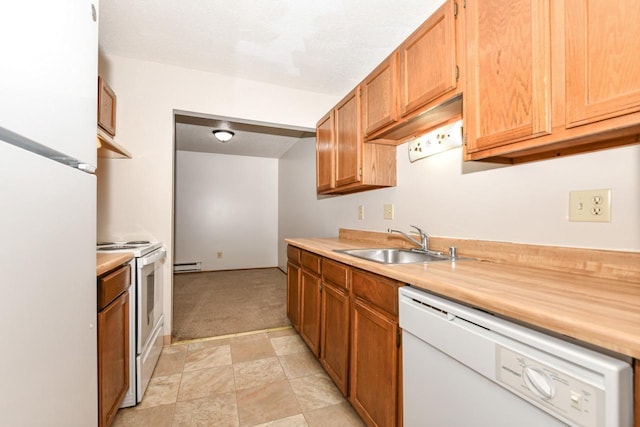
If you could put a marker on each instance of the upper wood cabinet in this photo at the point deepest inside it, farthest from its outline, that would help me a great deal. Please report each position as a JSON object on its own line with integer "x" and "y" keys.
{"x": 344, "y": 163}
{"x": 348, "y": 137}
{"x": 325, "y": 169}
{"x": 380, "y": 96}
{"x": 106, "y": 107}
{"x": 544, "y": 78}
{"x": 508, "y": 72}
{"x": 428, "y": 60}
{"x": 602, "y": 60}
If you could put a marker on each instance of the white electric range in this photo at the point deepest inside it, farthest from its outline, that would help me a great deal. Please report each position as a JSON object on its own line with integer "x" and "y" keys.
{"x": 146, "y": 314}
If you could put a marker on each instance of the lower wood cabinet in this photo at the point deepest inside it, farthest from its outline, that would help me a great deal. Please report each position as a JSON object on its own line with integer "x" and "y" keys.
{"x": 310, "y": 310}
{"x": 293, "y": 294}
{"x": 334, "y": 324}
{"x": 374, "y": 365}
{"x": 293, "y": 286}
{"x": 349, "y": 320}
{"x": 113, "y": 342}
{"x": 374, "y": 373}
{"x": 310, "y": 285}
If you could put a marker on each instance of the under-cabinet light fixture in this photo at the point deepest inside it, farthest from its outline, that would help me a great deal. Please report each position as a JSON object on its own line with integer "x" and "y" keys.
{"x": 223, "y": 135}
{"x": 436, "y": 141}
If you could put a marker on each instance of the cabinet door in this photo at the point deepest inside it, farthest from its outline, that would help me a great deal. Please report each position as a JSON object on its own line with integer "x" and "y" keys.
{"x": 374, "y": 365}
{"x": 379, "y": 96}
{"x": 293, "y": 295}
{"x": 508, "y": 91}
{"x": 106, "y": 107}
{"x": 602, "y": 59}
{"x": 335, "y": 334}
{"x": 428, "y": 60}
{"x": 348, "y": 139}
{"x": 113, "y": 357}
{"x": 310, "y": 310}
{"x": 325, "y": 154}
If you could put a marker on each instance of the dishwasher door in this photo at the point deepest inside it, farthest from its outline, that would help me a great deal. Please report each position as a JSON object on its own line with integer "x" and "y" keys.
{"x": 463, "y": 367}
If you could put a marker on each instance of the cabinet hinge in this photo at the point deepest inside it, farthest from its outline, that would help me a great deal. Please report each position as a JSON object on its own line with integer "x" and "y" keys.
{"x": 360, "y": 173}
{"x": 464, "y": 4}
{"x": 457, "y": 73}
{"x": 455, "y": 9}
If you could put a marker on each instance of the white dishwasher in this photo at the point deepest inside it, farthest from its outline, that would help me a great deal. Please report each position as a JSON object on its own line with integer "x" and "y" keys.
{"x": 465, "y": 367}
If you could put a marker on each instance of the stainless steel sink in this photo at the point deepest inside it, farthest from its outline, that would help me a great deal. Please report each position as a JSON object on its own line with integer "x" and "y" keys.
{"x": 394, "y": 255}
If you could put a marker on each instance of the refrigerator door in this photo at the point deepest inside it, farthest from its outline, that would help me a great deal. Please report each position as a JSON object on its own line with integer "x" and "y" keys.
{"x": 49, "y": 74}
{"x": 48, "y": 371}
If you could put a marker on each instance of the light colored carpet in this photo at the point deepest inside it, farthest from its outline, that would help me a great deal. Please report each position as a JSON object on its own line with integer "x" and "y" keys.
{"x": 209, "y": 304}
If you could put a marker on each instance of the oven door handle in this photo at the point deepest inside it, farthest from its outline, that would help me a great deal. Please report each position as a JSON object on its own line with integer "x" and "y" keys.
{"x": 158, "y": 255}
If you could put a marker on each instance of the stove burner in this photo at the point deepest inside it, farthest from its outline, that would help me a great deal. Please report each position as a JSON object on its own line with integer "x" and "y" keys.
{"x": 118, "y": 247}
{"x": 105, "y": 243}
{"x": 138, "y": 242}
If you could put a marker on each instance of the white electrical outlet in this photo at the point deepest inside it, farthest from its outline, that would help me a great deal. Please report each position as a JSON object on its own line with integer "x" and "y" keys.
{"x": 590, "y": 205}
{"x": 388, "y": 211}
{"x": 361, "y": 212}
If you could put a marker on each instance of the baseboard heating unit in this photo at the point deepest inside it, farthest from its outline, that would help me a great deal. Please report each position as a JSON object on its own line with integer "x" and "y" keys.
{"x": 187, "y": 267}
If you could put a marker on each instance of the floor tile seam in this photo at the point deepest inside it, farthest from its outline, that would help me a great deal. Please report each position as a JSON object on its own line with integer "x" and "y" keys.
{"x": 235, "y": 397}
{"x": 237, "y": 334}
{"x": 296, "y": 396}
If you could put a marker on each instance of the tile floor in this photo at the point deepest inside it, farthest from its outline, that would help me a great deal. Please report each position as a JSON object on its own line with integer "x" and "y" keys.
{"x": 258, "y": 379}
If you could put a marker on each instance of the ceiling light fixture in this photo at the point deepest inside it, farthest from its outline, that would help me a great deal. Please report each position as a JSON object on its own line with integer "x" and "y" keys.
{"x": 223, "y": 135}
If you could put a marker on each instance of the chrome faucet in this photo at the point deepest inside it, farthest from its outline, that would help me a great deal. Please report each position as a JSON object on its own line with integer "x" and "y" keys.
{"x": 423, "y": 243}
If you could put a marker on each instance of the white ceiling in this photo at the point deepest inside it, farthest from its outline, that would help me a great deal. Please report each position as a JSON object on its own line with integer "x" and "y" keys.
{"x": 194, "y": 132}
{"x": 324, "y": 46}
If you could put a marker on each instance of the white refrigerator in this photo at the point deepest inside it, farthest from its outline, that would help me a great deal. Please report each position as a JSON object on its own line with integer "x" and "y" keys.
{"x": 48, "y": 102}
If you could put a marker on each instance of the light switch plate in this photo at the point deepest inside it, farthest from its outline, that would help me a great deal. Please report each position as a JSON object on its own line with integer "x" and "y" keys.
{"x": 590, "y": 205}
{"x": 388, "y": 211}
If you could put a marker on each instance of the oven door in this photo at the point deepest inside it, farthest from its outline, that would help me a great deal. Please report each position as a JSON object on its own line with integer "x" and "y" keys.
{"x": 149, "y": 294}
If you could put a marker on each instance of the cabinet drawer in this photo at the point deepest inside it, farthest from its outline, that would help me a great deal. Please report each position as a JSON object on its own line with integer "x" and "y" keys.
{"x": 310, "y": 262}
{"x": 335, "y": 273}
{"x": 377, "y": 290}
{"x": 112, "y": 285}
{"x": 293, "y": 254}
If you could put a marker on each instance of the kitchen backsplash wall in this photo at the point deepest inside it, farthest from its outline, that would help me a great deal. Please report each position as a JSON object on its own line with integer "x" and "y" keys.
{"x": 525, "y": 203}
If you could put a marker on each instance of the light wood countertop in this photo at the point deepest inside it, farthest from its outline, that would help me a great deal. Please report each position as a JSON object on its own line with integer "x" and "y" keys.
{"x": 106, "y": 262}
{"x": 601, "y": 311}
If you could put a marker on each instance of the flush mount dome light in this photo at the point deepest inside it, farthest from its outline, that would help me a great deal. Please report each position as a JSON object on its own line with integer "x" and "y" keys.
{"x": 223, "y": 135}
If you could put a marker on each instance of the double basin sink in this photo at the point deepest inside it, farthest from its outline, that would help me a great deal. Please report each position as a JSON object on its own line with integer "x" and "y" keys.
{"x": 396, "y": 255}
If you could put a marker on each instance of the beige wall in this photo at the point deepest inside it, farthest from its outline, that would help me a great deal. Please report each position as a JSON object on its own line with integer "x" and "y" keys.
{"x": 226, "y": 204}
{"x": 527, "y": 203}
{"x": 135, "y": 197}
